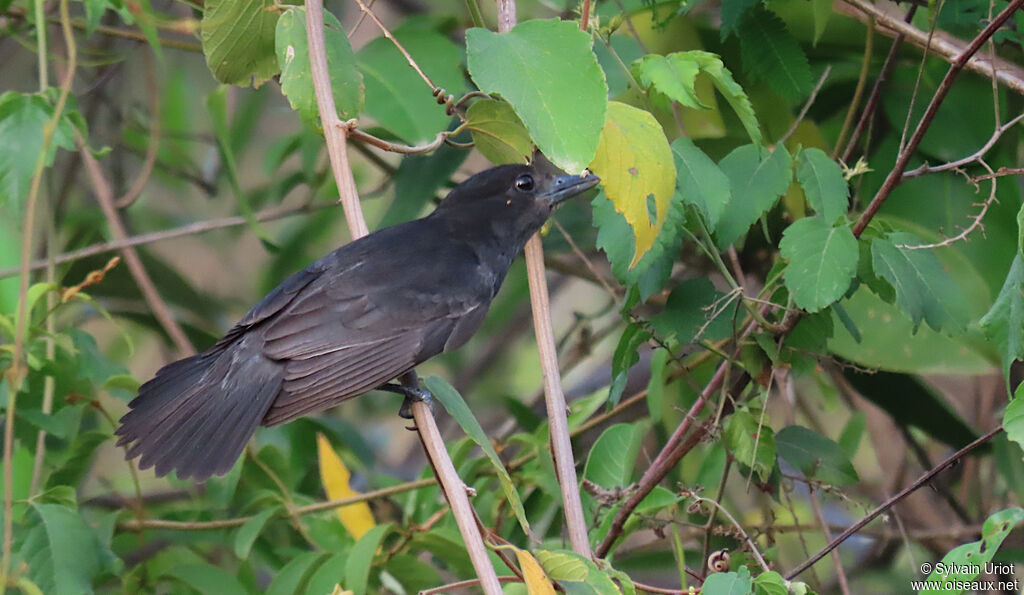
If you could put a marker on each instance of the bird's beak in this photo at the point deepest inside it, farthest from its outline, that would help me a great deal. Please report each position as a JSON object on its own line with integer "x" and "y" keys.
{"x": 568, "y": 186}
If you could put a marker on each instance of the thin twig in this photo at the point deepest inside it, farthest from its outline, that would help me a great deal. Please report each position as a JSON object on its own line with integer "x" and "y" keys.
{"x": 408, "y": 58}
{"x": 876, "y": 90}
{"x": 473, "y": 582}
{"x": 739, "y": 528}
{"x": 169, "y": 234}
{"x": 844, "y": 585}
{"x": 807, "y": 106}
{"x": 858, "y": 93}
{"x": 976, "y": 220}
{"x": 105, "y": 198}
{"x": 136, "y": 525}
{"x": 896, "y": 174}
{"x": 893, "y": 501}
{"x": 972, "y": 158}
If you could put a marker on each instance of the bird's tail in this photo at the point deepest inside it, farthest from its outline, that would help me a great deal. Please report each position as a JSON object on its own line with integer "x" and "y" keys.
{"x": 197, "y": 414}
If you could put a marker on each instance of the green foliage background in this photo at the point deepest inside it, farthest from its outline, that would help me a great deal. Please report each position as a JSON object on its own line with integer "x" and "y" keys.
{"x": 870, "y": 356}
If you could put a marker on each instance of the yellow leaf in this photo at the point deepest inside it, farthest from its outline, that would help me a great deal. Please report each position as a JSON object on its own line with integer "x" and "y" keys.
{"x": 357, "y": 517}
{"x": 637, "y": 171}
{"x": 537, "y": 583}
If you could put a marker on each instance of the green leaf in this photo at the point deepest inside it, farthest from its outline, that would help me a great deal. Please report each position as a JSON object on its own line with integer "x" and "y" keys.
{"x": 624, "y": 358}
{"x": 295, "y": 575}
{"x": 79, "y": 458}
{"x": 533, "y": 67}
{"x": 396, "y": 96}
{"x": 457, "y": 408}
{"x": 824, "y": 184}
{"x": 689, "y": 310}
{"x": 248, "y": 532}
{"x": 959, "y": 563}
{"x": 822, "y": 10}
{"x": 732, "y": 14}
{"x": 656, "y": 385}
{"x": 216, "y": 104}
{"x": 292, "y": 50}
{"x": 770, "y": 583}
{"x": 713, "y": 67}
{"x": 357, "y": 568}
{"x": 699, "y": 181}
{"x": 1013, "y": 417}
{"x": 752, "y": 443}
{"x": 1004, "y": 322}
{"x": 849, "y": 439}
{"x": 238, "y": 40}
{"x": 728, "y": 583}
{"x": 63, "y": 554}
{"x": 672, "y": 75}
{"x": 612, "y": 458}
{"x": 637, "y": 172}
{"x": 923, "y": 288}
{"x": 22, "y": 119}
{"x": 822, "y": 262}
{"x": 815, "y": 456}
{"x": 328, "y": 575}
{"x": 756, "y": 185}
{"x": 498, "y": 133}
{"x": 576, "y": 574}
{"x": 615, "y": 238}
{"x": 207, "y": 579}
{"x": 773, "y": 55}
{"x": 892, "y": 344}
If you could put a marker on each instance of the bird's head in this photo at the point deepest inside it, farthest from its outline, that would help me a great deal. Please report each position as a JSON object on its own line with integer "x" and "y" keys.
{"x": 514, "y": 200}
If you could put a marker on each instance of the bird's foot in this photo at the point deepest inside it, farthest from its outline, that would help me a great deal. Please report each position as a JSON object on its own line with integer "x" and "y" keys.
{"x": 410, "y": 388}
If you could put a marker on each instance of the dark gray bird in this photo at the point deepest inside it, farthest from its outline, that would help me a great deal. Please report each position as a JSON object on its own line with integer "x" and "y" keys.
{"x": 349, "y": 323}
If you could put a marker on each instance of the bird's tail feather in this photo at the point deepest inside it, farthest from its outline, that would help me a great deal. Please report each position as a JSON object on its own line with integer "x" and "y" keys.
{"x": 197, "y": 414}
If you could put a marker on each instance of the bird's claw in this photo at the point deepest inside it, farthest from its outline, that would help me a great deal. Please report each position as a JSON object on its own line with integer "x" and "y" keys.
{"x": 411, "y": 396}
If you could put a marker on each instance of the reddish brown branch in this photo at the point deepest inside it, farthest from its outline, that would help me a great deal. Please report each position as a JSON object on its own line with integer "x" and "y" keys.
{"x": 896, "y": 174}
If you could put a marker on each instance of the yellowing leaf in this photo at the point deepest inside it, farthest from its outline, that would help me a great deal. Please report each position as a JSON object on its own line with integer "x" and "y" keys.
{"x": 637, "y": 172}
{"x": 537, "y": 583}
{"x": 357, "y": 517}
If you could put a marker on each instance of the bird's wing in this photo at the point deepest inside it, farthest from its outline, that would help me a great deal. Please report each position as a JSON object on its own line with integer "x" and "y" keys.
{"x": 366, "y": 320}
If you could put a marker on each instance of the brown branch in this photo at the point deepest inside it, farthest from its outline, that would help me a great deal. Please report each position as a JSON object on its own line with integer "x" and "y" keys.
{"x": 942, "y": 45}
{"x": 876, "y": 90}
{"x": 336, "y": 134}
{"x": 675, "y": 448}
{"x": 952, "y": 459}
{"x": 1002, "y": 171}
{"x": 958, "y": 64}
{"x": 139, "y": 525}
{"x": 473, "y": 582}
{"x": 105, "y": 198}
{"x": 807, "y": 106}
{"x": 169, "y": 234}
{"x": 558, "y": 423}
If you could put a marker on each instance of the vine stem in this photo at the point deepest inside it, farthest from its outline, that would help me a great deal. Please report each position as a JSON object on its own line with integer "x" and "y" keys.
{"x": 558, "y": 423}
{"x": 16, "y": 373}
{"x": 336, "y": 134}
{"x": 896, "y": 174}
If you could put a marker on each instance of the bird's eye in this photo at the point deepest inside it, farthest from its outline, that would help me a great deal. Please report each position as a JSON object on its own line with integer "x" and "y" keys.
{"x": 524, "y": 183}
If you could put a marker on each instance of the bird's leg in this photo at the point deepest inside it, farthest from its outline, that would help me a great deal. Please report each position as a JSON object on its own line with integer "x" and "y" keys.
{"x": 409, "y": 387}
